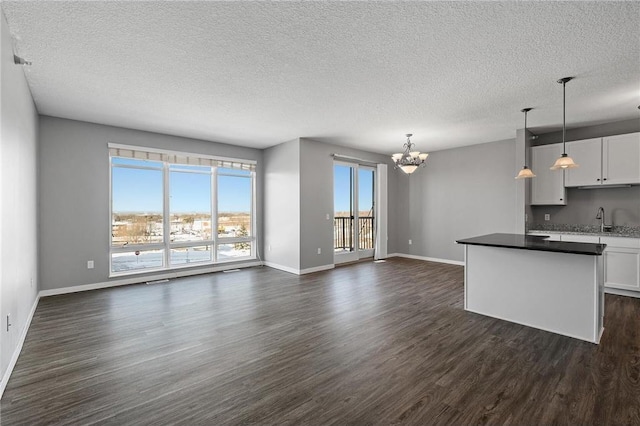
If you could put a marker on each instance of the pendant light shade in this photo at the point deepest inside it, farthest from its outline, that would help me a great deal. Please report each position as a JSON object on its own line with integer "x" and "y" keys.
{"x": 526, "y": 172}
{"x": 408, "y": 169}
{"x": 564, "y": 162}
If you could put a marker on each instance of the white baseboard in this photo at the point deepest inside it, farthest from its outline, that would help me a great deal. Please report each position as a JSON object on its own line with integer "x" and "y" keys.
{"x": 282, "y": 268}
{"x": 317, "y": 269}
{"x": 620, "y": 292}
{"x": 299, "y": 271}
{"x": 428, "y": 259}
{"x": 16, "y": 352}
{"x": 144, "y": 279}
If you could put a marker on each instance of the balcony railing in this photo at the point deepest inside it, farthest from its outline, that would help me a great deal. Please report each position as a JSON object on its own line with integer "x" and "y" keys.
{"x": 343, "y": 233}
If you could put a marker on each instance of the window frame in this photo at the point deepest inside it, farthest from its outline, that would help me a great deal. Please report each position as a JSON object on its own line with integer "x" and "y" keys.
{"x": 167, "y": 245}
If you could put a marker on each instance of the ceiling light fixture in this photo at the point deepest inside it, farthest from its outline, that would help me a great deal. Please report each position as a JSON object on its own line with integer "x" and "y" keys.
{"x": 409, "y": 160}
{"x": 526, "y": 172}
{"x": 564, "y": 162}
{"x": 20, "y": 61}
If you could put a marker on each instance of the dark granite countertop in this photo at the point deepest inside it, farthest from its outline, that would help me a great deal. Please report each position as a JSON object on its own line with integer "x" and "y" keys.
{"x": 530, "y": 242}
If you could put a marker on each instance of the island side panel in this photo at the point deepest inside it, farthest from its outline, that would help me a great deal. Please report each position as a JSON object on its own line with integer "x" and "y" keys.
{"x": 557, "y": 292}
{"x": 599, "y": 271}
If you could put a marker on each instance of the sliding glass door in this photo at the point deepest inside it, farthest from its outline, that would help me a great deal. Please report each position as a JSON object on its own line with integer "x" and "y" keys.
{"x": 354, "y": 211}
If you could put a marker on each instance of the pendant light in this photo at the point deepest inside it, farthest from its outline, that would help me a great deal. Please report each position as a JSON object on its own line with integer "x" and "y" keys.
{"x": 526, "y": 172}
{"x": 564, "y": 162}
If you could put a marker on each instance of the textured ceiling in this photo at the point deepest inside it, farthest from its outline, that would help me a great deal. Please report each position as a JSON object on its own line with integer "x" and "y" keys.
{"x": 352, "y": 73}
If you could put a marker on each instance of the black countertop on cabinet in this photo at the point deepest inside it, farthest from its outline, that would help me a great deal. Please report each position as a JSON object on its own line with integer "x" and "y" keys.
{"x": 530, "y": 242}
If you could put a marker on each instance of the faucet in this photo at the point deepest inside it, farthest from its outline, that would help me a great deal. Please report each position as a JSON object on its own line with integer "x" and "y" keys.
{"x": 600, "y": 216}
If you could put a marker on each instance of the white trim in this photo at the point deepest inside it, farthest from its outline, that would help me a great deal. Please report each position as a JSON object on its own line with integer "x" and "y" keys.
{"x": 382, "y": 212}
{"x": 299, "y": 271}
{"x": 341, "y": 157}
{"x": 181, "y": 153}
{"x": 316, "y": 269}
{"x": 428, "y": 259}
{"x": 282, "y": 267}
{"x": 16, "y": 352}
{"x": 621, "y": 292}
{"x": 466, "y": 276}
{"x": 142, "y": 279}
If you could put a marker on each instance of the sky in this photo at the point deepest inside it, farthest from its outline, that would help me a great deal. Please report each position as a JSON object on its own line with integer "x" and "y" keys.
{"x": 136, "y": 190}
{"x": 342, "y": 188}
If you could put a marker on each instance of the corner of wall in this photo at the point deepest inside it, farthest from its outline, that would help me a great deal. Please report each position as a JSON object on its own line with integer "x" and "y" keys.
{"x": 282, "y": 205}
{"x": 18, "y": 204}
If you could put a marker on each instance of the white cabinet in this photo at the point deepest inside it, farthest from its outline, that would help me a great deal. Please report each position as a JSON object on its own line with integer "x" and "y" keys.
{"x": 622, "y": 263}
{"x": 588, "y": 155}
{"x": 612, "y": 160}
{"x": 547, "y": 188}
{"x": 621, "y": 159}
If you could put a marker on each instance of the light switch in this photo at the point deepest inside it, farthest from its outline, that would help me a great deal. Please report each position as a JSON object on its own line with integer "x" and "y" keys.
{"x": 89, "y": 264}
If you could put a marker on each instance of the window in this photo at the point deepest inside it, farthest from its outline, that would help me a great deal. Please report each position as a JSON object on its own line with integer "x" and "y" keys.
{"x": 171, "y": 210}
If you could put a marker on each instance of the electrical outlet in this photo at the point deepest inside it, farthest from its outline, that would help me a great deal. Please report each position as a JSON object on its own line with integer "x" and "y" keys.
{"x": 269, "y": 247}
{"x": 410, "y": 242}
{"x": 328, "y": 217}
{"x": 547, "y": 216}
{"x": 319, "y": 250}
{"x": 90, "y": 264}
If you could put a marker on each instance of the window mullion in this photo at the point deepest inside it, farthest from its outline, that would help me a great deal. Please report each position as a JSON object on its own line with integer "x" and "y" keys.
{"x": 166, "y": 216}
{"x": 214, "y": 213}
{"x": 252, "y": 212}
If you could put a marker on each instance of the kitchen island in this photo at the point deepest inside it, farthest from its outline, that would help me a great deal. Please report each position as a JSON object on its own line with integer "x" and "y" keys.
{"x": 550, "y": 285}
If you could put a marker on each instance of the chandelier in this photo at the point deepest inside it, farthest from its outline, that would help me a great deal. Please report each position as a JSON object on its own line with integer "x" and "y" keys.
{"x": 409, "y": 160}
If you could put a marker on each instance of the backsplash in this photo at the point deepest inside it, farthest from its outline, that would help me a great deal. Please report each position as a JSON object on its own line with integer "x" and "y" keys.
{"x": 621, "y": 206}
{"x": 617, "y": 230}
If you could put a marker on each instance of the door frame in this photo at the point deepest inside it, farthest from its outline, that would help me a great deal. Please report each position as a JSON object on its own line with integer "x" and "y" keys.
{"x": 356, "y": 254}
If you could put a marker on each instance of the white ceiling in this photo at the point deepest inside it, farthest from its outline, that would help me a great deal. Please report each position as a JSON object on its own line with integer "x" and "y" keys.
{"x": 356, "y": 74}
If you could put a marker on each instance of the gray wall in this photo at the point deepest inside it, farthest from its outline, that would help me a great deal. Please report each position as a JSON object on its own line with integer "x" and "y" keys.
{"x": 622, "y": 207}
{"x": 18, "y": 206}
{"x": 462, "y": 192}
{"x": 282, "y": 204}
{"x": 399, "y": 206}
{"x": 298, "y": 197}
{"x": 316, "y": 199}
{"x": 74, "y": 194}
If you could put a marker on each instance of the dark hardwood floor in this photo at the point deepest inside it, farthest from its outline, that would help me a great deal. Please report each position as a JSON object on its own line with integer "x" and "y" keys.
{"x": 367, "y": 343}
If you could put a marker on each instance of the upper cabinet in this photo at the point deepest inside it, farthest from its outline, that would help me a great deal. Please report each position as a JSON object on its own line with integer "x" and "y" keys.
{"x": 547, "y": 188}
{"x": 611, "y": 160}
{"x": 621, "y": 159}
{"x": 588, "y": 155}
